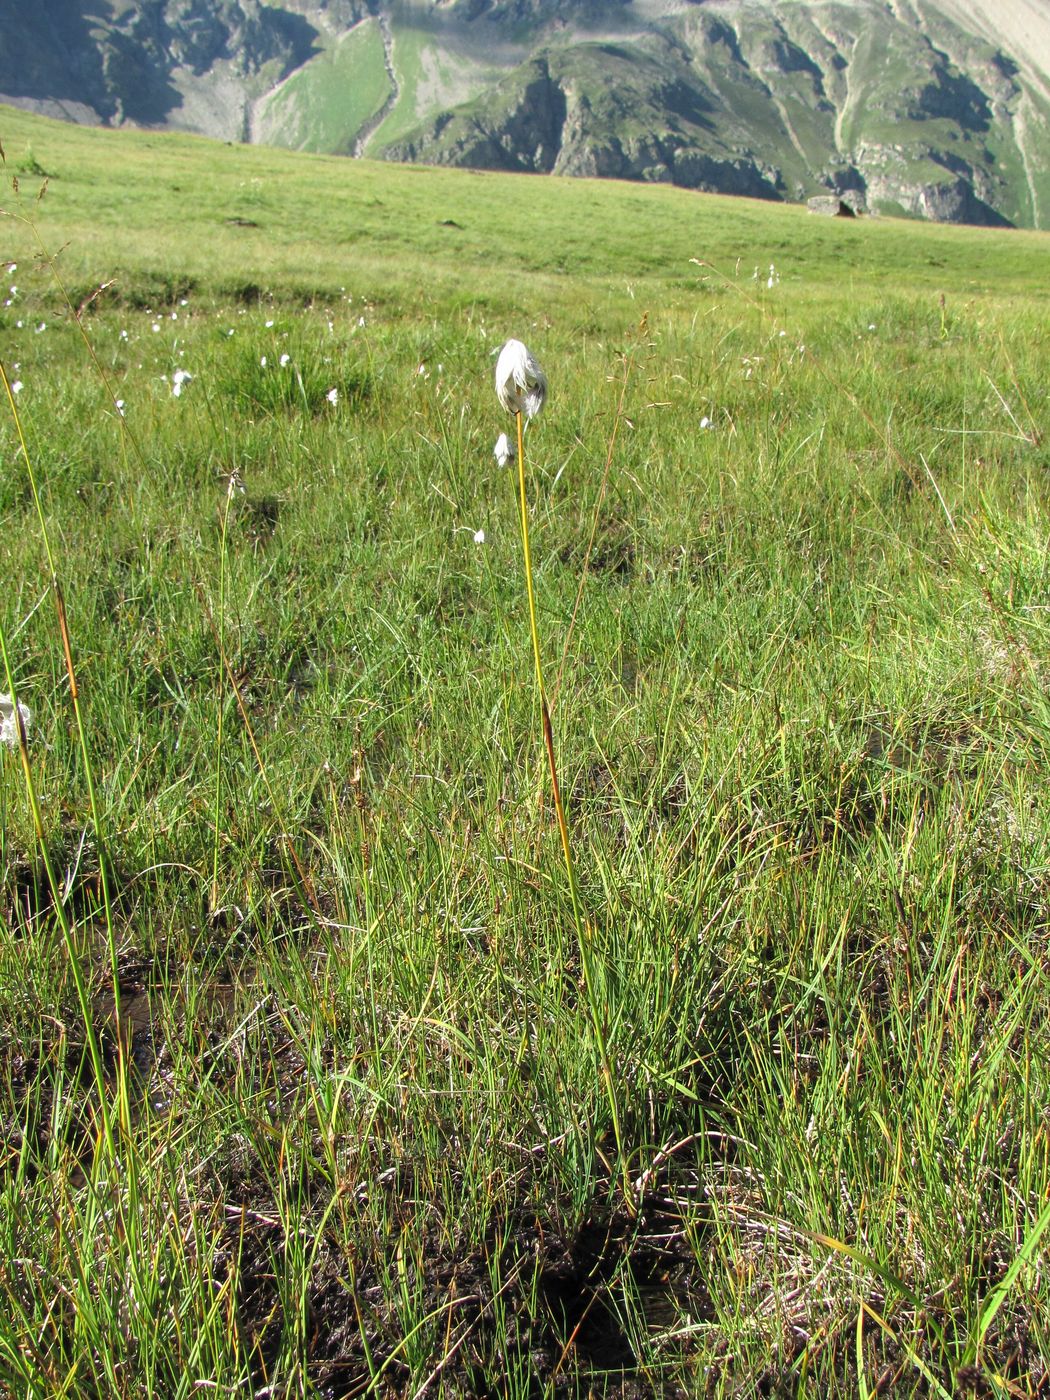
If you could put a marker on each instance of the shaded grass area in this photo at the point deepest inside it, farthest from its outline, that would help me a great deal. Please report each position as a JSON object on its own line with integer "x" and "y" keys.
{"x": 801, "y": 725}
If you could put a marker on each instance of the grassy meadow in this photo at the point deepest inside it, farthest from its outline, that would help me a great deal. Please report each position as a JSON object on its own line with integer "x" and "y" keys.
{"x": 310, "y": 1083}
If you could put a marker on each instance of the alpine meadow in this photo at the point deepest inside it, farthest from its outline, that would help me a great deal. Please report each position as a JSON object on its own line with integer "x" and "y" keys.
{"x": 618, "y": 967}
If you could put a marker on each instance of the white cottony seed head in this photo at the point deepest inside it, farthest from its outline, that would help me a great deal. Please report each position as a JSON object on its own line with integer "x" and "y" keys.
{"x": 8, "y": 723}
{"x": 521, "y": 386}
{"x": 504, "y": 451}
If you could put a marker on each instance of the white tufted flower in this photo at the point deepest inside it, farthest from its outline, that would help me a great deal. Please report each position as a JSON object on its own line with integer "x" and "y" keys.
{"x": 521, "y": 386}
{"x": 504, "y": 451}
{"x": 8, "y": 724}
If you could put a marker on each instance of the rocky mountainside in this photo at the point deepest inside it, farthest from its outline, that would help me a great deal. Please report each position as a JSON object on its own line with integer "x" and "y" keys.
{"x": 933, "y": 108}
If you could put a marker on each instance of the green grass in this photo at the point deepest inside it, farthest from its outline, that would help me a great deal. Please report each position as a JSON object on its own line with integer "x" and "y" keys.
{"x": 802, "y": 735}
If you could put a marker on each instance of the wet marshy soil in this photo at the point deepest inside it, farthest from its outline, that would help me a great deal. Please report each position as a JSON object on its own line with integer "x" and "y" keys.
{"x": 558, "y": 1305}
{"x": 545, "y": 1307}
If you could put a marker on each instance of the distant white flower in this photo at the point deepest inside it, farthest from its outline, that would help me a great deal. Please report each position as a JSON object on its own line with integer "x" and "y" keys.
{"x": 285, "y": 360}
{"x": 521, "y": 386}
{"x": 155, "y": 327}
{"x": 16, "y": 387}
{"x": 8, "y": 723}
{"x": 123, "y": 335}
{"x": 504, "y": 451}
{"x": 479, "y": 536}
{"x": 332, "y": 396}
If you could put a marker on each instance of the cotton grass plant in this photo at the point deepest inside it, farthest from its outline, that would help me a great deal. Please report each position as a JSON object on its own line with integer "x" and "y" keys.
{"x": 521, "y": 388}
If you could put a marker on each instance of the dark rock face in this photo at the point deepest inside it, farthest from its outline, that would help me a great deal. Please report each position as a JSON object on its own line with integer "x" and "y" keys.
{"x": 956, "y": 202}
{"x": 601, "y": 112}
{"x": 123, "y": 69}
{"x": 951, "y": 95}
{"x": 522, "y": 132}
{"x": 740, "y": 176}
{"x": 52, "y": 54}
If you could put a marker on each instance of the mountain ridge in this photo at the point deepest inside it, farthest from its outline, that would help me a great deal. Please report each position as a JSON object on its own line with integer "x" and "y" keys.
{"x": 931, "y": 108}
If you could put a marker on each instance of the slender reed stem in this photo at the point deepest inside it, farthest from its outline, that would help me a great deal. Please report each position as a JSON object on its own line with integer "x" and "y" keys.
{"x": 548, "y": 737}
{"x": 583, "y": 929}
{"x": 221, "y": 699}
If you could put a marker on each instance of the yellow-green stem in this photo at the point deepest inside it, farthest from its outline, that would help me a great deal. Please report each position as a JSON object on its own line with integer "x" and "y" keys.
{"x": 548, "y": 736}
{"x": 583, "y": 931}
{"x": 218, "y": 732}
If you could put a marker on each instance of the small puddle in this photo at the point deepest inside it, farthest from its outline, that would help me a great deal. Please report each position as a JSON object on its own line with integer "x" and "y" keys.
{"x": 142, "y": 1046}
{"x": 141, "y": 1034}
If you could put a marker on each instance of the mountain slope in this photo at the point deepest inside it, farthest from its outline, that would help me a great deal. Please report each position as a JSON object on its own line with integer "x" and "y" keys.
{"x": 933, "y": 108}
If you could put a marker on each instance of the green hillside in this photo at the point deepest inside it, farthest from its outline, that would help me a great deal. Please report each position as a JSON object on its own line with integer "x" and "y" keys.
{"x": 140, "y": 205}
{"x": 324, "y": 105}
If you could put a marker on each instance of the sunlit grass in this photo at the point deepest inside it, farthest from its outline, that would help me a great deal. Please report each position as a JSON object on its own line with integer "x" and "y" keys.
{"x": 802, "y": 736}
